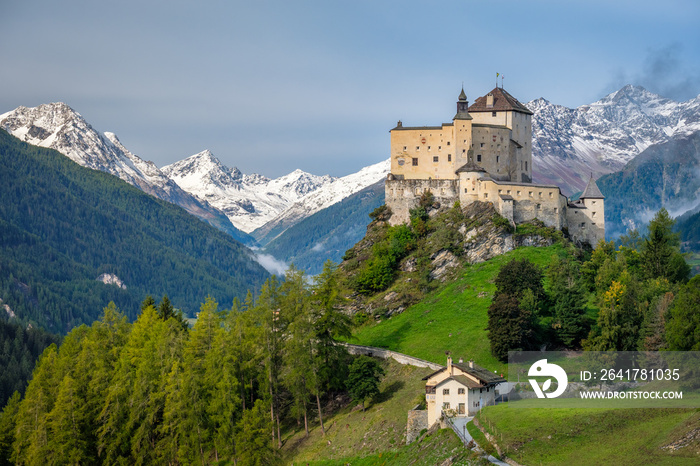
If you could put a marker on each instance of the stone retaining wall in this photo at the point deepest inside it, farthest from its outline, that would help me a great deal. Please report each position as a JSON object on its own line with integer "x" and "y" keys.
{"x": 386, "y": 354}
{"x": 417, "y": 421}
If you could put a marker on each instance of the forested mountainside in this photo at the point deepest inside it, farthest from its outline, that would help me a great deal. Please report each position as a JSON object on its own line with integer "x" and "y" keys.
{"x": 664, "y": 175}
{"x": 328, "y": 233}
{"x": 62, "y": 226}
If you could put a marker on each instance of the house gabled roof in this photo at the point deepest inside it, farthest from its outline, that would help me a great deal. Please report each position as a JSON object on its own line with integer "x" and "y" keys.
{"x": 591, "y": 191}
{"x": 502, "y": 101}
{"x": 484, "y": 376}
{"x": 463, "y": 380}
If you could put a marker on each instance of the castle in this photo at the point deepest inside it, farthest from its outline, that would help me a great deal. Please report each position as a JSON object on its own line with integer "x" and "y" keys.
{"x": 485, "y": 154}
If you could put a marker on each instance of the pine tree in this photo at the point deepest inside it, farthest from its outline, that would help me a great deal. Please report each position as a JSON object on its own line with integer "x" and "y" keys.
{"x": 363, "y": 379}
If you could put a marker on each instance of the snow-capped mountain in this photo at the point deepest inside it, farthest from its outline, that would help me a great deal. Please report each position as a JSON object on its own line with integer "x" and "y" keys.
{"x": 322, "y": 198}
{"x": 570, "y": 144}
{"x": 57, "y": 126}
{"x": 249, "y": 201}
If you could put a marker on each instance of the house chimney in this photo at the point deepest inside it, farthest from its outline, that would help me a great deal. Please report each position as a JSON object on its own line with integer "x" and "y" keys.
{"x": 489, "y": 101}
{"x": 471, "y": 364}
{"x": 449, "y": 364}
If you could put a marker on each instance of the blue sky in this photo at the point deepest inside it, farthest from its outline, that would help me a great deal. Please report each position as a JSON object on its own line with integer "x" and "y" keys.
{"x": 271, "y": 86}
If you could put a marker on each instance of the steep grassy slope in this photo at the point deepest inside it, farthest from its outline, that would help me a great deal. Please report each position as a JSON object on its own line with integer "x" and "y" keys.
{"x": 378, "y": 435}
{"x": 453, "y": 317}
{"x": 63, "y": 225}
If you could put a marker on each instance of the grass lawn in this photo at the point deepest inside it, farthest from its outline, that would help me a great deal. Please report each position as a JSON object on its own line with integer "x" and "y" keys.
{"x": 454, "y": 317}
{"x": 593, "y": 436}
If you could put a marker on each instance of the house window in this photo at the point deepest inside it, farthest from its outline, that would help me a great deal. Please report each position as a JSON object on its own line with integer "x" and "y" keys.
{"x": 493, "y": 114}
{"x": 478, "y": 158}
{"x": 445, "y": 405}
{"x": 445, "y": 391}
{"x": 460, "y": 391}
{"x": 414, "y": 162}
{"x": 435, "y": 159}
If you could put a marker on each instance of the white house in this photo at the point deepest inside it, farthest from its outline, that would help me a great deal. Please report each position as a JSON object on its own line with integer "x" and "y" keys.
{"x": 460, "y": 388}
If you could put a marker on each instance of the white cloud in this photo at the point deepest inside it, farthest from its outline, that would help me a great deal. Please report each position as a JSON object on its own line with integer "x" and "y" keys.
{"x": 272, "y": 264}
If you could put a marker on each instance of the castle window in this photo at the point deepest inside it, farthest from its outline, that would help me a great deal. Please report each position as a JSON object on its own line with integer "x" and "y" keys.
{"x": 414, "y": 162}
{"x": 445, "y": 391}
{"x": 417, "y": 147}
{"x": 593, "y": 202}
{"x": 428, "y": 147}
{"x": 404, "y": 147}
{"x": 530, "y": 193}
{"x": 540, "y": 193}
{"x": 538, "y": 206}
{"x": 486, "y": 195}
{"x": 482, "y": 145}
{"x": 550, "y": 195}
{"x": 465, "y": 190}
{"x": 417, "y": 190}
{"x": 583, "y": 225}
{"x": 449, "y": 157}
{"x": 556, "y": 210}
{"x": 478, "y": 158}
{"x": 593, "y": 224}
{"x": 463, "y": 151}
{"x": 493, "y": 114}
{"x": 525, "y": 166}
{"x": 594, "y": 214}
{"x": 435, "y": 159}
{"x": 448, "y": 143}
{"x": 500, "y": 191}
{"x": 439, "y": 147}
{"x": 498, "y": 158}
{"x": 508, "y": 192}
{"x": 518, "y": 193}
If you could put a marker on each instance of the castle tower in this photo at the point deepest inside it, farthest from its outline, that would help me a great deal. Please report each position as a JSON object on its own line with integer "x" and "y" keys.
{"x": 462, "y": 131}
{"x": 594, "y": 203}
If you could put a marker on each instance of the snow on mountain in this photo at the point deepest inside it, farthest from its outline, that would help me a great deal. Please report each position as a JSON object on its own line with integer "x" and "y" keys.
{"x": 249, "y": 201}
{"x": 322, "y": 198}
{"x": 570, "y": 144}
{"x": 57, "y": 126}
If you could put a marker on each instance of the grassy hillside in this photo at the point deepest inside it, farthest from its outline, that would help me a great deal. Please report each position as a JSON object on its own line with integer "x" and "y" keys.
{"x": 327, "y": 234}
{"x": 594, "y": 436}
{"x": 62, "y": 225}
{"x": 378, "y": 435}
{"x": 453, "y": 317}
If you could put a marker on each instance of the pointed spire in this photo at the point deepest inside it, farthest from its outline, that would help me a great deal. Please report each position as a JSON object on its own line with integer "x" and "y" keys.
{"x": 592, "y": 191}
{"x": 462, "y": 95}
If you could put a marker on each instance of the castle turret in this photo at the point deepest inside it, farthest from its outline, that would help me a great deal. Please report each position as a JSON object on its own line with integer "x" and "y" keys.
{"x": 462, "y": 130}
